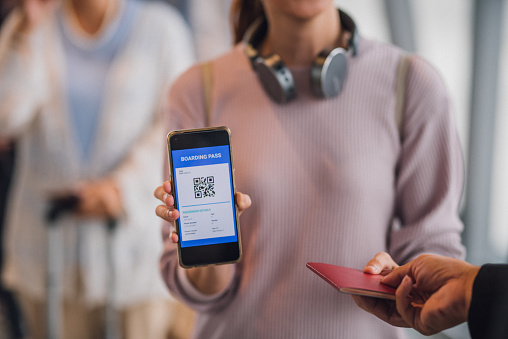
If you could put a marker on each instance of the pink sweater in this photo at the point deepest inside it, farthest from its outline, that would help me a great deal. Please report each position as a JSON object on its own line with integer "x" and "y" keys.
{"x": 326, "y": 178}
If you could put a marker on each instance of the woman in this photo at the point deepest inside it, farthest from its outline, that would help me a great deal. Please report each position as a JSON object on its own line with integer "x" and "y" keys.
{"x": 326, "y": 177}
{"x": 81, "y": 87}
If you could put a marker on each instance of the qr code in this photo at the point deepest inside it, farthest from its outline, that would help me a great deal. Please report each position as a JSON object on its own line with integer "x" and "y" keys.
{"x": 204, "y": 187}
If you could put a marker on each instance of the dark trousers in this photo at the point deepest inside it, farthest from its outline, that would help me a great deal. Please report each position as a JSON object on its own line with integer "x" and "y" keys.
{"x": 10, "y": 311}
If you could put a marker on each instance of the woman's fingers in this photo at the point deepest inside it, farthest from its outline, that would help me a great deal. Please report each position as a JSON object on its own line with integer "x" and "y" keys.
{"x": 174, "y": 237}
{"x": 382, "y": 263}
{"x": 167, "y": 213}
{"x": 166, "y": 186}
{"x": 383, "y": 309}
{"x": 242, "y": 201}
{"x": 170, "y": 214}
{"x": 163, "y": 195}
{"x": 163, "y": 192}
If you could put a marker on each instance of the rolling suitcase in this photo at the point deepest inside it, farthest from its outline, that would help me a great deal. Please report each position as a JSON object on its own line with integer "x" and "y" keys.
{"x": 57, "y": 208}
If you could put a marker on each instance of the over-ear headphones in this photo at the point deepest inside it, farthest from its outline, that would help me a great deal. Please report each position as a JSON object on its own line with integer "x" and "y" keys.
{"x": 328, "y": 71}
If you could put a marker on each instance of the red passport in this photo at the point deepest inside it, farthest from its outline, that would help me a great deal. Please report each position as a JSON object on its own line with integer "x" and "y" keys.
{"x": 353, "y": 281}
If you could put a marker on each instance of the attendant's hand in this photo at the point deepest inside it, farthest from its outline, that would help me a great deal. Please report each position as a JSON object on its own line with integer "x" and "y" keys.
{"x": 433, "y": 294}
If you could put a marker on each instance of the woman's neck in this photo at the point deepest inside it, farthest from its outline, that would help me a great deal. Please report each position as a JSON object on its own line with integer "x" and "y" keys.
{"x": 298, "y": 41}
{"x": 91, "y": 16}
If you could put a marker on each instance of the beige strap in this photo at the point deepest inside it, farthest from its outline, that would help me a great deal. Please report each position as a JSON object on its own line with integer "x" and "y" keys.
{"x": 400, "y": 90}
{"x": 206, "y": 75}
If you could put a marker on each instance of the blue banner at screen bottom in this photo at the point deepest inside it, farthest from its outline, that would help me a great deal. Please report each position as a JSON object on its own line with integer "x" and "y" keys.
{"x": 208, "y": 241}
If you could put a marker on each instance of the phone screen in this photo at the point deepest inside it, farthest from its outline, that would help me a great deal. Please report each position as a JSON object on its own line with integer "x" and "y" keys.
{"x": 202, "y": 174}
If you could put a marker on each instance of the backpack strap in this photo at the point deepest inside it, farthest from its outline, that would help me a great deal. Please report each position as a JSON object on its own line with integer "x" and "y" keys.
{"x": 206, "y": 76}
{"x": 400, "y": 90}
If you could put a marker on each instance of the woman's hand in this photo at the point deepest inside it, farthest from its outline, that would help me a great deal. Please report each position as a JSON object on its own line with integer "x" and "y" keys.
{"x": 170, "y": 214}
{"x": 211, "y": 279}
{"x": 167, "y": 211}
{"x": 383, "y": 264}
{"x": 33, "y": 13}
{"x": 100, "y": 199}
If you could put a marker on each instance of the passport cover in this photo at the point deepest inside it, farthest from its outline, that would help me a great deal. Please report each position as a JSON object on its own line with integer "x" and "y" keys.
{"x": 353, "y": 281}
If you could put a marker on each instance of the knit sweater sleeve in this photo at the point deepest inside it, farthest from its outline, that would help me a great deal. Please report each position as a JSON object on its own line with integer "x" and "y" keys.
{"x": 186, "y": 110}
{"x": 430, "y": 171}
{"x": 23, "y": 80}
{"x": 171, "y": 55}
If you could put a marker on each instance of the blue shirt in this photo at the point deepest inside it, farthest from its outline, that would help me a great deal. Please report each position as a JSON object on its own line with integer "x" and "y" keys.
{"x": 88, "y": 61}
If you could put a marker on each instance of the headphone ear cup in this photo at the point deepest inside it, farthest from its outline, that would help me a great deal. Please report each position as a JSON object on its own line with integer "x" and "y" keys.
{"x": 328, "y": 72}
{"x": 275, "y": 78}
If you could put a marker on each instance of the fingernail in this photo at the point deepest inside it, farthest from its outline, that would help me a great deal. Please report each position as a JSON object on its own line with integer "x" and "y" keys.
{"x": 165, "y": 197}
{"x": 169, "y": 213}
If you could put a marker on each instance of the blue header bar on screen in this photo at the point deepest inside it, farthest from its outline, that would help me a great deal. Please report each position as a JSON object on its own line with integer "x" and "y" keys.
{"x": 201, "y": 156}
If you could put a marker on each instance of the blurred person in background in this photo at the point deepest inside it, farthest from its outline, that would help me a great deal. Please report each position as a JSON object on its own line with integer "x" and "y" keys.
{"x": 81, "y": 91}
{"x": 12, "y": 321}
{"x": 5, "y": 8}
{"x": 330, "y": 176}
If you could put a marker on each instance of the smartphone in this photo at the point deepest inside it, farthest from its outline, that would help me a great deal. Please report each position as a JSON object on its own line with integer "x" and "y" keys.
{"x": 201, "y": 170}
